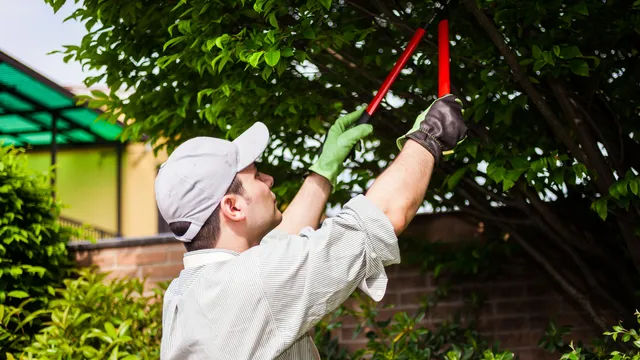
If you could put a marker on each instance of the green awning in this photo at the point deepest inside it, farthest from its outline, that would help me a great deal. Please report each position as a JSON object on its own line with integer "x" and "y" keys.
{"x": 29, "y": 103}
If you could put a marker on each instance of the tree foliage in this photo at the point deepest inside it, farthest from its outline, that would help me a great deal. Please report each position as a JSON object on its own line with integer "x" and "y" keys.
{"x": 550, "y": 91}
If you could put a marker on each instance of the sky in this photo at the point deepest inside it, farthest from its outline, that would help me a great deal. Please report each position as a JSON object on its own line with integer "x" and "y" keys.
{"x": 29, "y": 30}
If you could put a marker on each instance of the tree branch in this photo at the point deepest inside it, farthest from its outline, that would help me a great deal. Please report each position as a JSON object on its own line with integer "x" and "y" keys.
{"x": 561, "y": 280}
{"x": 604, "y": 178}
{"x": 522, "y": 78}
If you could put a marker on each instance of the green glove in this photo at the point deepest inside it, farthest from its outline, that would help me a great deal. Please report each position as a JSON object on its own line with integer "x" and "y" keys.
{"x": 440, "y": 128}
{"x": 338, "y": 145}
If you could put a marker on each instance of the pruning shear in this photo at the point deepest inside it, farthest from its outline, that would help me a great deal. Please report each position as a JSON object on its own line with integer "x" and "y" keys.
{"x": 444, "y": 83}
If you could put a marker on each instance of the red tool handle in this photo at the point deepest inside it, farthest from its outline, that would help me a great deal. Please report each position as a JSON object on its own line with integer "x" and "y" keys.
{"x": 444, "y": 81}
{"x": 386, "y": 85}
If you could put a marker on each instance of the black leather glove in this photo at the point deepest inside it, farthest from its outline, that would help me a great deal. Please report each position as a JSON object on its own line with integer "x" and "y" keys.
{"x": 439, "y": 128}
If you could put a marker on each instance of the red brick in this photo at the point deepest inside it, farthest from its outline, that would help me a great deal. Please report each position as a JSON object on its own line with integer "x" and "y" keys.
{"x": 445, "y": 311}
{"x": 489, "y": 325}
{"x": 389, "y": 299}
{"x": 540, "y": 322}
{"x": 404, "y": 283}
{"x": 410, "y": 270}
{"x": 507, "y": 291}
{"x": 175, "y": 256}
{"x": 548, "y": 306}
{"x": 105, "y": 259}
{"x": 536, "y": 290}
{"x": 162, "y": 271}
{"x": 519, "y": 339}
{"x": 392, "y": 271}
{"x": 142, "y": 257}
{"x": 412, "y": 298}
{"x": 574, "y": 320}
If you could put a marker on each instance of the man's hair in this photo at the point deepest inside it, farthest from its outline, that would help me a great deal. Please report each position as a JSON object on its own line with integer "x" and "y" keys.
{"x": 208, "y": 235}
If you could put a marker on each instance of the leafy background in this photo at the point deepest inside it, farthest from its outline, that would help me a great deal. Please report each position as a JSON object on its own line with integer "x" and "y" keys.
{"x": 549, "y": 91}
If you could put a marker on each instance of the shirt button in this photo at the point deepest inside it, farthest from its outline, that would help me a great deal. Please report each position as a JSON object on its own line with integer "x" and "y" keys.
{"x": 374, "y": 255}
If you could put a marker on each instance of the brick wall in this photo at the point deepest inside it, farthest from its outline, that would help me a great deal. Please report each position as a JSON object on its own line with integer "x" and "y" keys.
{"x": 518, "y": 306}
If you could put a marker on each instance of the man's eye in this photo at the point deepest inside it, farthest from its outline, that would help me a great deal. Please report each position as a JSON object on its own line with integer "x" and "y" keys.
{"x": 257, "y": 175}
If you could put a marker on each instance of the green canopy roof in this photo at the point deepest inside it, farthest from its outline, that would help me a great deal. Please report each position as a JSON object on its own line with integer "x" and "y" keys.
{"x": 28, "y": 104}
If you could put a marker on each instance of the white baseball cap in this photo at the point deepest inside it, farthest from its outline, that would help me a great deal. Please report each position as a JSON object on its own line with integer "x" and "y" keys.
{"x": 195, "y": 177}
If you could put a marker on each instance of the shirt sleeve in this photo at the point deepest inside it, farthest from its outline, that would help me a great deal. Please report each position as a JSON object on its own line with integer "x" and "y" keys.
{"x": 307, "y": 276}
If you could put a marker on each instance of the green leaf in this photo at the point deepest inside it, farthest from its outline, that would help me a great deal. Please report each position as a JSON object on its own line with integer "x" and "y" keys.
{"x": 272, "y": 56}
{"x": 570, "y": 52}
{"x": 287, "y": 52}
{"x": 537, "y": 53}
{"x": 455, "y": 178}
{"x": 600, "y": 206}
{"x": 111, "y": 330}
{"x": 114, "y": 353}
{"x": 273, "y": 20}
{"x": 557, "y": 176}
{"x": 579, "y": 67}
{"x": 18, "y": 294}
{"x": 633, "y": 183}
{"x": 548, "y": 58}
{"x": 472, "y": 149}
{"x": 507, "y": 184}
{"x": 309, "y": 33}
{"x": 326, "y": 4}
{"x": 255, "y": 58}
{"x": 520, "y": 163}
{"x": 172, "y": 42}
{"x": 581, "y": 8}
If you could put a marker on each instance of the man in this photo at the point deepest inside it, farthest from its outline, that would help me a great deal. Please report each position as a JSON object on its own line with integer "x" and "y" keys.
{"x": 255, "y": 280}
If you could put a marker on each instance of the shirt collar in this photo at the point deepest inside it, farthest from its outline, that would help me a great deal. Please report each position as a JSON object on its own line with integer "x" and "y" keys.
{"x": 207, "y": 256}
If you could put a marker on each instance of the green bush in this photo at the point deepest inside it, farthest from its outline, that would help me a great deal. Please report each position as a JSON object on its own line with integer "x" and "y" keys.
{"x": 619, "y": 344}
{"x": 93, "y": 318}
{"x": 33, "y": 252}
{"x": 403, "y": 337}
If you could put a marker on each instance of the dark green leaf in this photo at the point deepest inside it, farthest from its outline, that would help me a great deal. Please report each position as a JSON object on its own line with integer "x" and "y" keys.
{"x": 537, "y": 53}
{"x": 579, "y": 67}
{"x": 455, "y": 178}
{"x": 570, "y": 52}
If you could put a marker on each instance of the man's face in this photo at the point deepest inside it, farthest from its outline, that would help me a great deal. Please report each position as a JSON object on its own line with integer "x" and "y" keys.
{"x": 262, "y": 214}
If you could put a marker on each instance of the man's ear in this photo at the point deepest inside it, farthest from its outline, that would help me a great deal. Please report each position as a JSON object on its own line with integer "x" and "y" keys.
{"x": 232, "y": 207}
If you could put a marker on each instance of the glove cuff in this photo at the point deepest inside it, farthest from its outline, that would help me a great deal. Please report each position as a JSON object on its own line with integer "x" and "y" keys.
{"x": 428, "y": 142}
{"x": 325, "y": 173}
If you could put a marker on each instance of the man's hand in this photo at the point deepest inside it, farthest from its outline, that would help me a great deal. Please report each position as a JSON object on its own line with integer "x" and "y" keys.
{"x": 338, "y": 145}
{"x": 439, "y": 128}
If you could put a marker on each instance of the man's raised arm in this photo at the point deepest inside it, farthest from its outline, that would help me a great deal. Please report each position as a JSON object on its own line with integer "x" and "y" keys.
{"x": 400, "y": 189}
{"x": 308, "y": 205}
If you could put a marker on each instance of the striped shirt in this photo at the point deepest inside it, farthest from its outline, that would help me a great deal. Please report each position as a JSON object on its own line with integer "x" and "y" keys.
{"x": 261, "y": 303}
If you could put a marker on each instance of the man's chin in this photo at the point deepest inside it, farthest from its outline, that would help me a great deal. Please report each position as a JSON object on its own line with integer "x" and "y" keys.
{"x": 278, "y": 218}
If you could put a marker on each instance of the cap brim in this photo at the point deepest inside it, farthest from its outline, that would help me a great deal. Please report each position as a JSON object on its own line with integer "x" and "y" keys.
{"x": 251, "y": 144}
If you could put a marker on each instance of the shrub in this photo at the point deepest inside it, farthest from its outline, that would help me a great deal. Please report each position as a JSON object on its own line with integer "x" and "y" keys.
{"x": 619, "y": 344}
{"x": 403, "y": 337}
{"x": 33, "y": 251}
{"x": 97, "y": 319}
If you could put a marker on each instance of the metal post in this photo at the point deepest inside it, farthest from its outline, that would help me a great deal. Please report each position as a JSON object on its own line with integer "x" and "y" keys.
{"x": 54, "y": 153}
{"x": 119, "y": 151}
